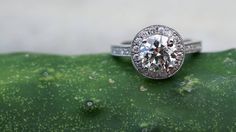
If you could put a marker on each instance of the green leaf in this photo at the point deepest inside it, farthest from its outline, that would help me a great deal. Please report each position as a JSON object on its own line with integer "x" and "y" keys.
{"x": 99, "y": 92}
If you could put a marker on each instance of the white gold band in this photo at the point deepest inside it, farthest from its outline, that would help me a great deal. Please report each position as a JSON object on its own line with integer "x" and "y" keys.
{"x": 124, "y": 48}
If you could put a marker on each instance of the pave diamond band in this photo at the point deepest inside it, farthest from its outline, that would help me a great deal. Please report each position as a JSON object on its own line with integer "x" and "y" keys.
{"x": 157, "y": 51}
{"x": 124, "y": 49}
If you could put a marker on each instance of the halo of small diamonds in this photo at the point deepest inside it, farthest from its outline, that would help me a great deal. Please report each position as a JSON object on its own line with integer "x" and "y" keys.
{"x": 157, "y": 52}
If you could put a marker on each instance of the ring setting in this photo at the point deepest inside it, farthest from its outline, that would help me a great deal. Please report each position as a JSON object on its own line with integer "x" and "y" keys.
{"x": 157, "y": 51}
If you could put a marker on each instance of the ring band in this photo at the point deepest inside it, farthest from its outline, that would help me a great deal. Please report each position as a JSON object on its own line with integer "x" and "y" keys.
{"x": 157, "y": 51}
{"x": 123, "y": 49}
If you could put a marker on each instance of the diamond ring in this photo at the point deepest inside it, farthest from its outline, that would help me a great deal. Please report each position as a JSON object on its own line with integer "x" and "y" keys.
{"x": 157, "y": 51}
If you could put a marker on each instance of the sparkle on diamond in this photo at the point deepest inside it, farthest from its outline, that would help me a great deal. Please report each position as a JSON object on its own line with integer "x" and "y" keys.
{"x": 158, "y": 53}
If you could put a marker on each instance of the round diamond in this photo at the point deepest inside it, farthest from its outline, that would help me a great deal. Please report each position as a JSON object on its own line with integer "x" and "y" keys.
{"x": 136, "y": 57}
{"x": 158, "y": 53}
{"x": 135, "y": 49}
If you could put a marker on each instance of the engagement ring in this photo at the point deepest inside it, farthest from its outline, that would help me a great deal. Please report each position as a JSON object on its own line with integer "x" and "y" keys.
{"x": 157, "y": 51}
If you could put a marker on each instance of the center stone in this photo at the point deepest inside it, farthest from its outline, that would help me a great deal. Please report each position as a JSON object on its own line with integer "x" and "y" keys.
{"x": 158, "y": 53}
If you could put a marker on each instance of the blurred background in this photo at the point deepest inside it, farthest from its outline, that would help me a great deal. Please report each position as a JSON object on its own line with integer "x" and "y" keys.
{"x": 91, "y": 26}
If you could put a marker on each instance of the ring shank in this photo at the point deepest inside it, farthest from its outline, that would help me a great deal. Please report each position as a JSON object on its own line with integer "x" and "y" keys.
{"x": 124, "y": 48}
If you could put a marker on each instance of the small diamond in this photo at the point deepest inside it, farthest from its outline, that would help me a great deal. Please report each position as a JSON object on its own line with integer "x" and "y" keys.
{"x": 135, "y": 49}
{"x": 136, "y": 57}
{"x": 161, "y": 30}
{"x": 143, "y": 34}
{"x": 152, "y": 31}
{"x": 167, "y": 33}
{"x": 138, "y": 40}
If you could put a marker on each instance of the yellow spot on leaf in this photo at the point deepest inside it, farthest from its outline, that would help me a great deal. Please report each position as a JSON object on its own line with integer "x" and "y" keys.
{"x": 188, "y": 84}
{"x": 143, "y": 89}
{"x": 111, "y": 81}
